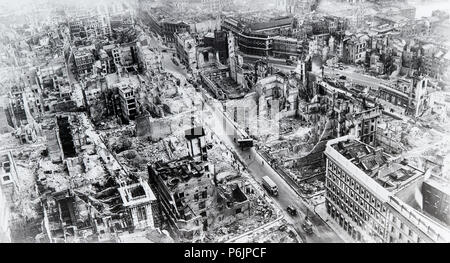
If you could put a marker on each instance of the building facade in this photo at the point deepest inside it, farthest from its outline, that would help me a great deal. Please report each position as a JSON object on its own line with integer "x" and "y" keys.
{"x": 8, "y": 176}
{"x": 84, "y": 62}
{"x": 141, "y": 204}
{"x": 186, "y": 50}
{"x": 5, "y": 231}
{"x": 436, "y": 198}
{"x": 362, "y": 184}
{"x": 127, "y": 101}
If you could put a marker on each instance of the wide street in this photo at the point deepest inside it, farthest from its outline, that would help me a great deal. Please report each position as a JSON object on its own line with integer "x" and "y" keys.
{"x": 226, "y": 130}
{"x": 355, "y": 77}
{"x": 275, "y": 62}
{"x": 348, "y": 72}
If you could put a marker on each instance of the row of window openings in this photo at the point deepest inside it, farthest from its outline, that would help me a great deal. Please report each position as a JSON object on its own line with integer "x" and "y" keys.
{"x": 357, "y": 211}
{"x": 400, "y": 235}
{"x": 204, "y": 194}
{"x": 349, "y": 202}
{"x": 350, "y": 182}
{"x": 402, "y": 227}
{"x": 377, "y": 229}
{"x": 351, "y": 230}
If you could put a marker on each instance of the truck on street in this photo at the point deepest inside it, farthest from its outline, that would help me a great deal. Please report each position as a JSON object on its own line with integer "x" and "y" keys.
{"x": 270, "y": 185}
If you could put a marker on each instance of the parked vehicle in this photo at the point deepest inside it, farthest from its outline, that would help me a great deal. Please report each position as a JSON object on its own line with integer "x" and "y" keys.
{"x": 270, "y": 186}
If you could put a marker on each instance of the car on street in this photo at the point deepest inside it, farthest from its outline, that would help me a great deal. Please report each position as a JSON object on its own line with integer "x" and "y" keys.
{"x": 307, "y": 226}
{"x": 282, "y": 227}
{"x": 292, "y": 210}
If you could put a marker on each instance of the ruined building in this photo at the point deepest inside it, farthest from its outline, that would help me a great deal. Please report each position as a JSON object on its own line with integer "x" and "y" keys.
{"x": 350, "y": 113}
{"x": 5, "y": 231}
{"x": 65, "y": 136}
{"x": 8, "y": 176}
{"x": 184, "y": 188}
{"x": 90, "y": 197}
{"x": 276, "y": 96}
{"x": 127, "y": 102}
{"x": 436, "y": 196}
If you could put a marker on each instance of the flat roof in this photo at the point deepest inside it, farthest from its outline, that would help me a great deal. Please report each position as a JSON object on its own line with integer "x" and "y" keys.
{"x": 136, "y": 194}
{"x": 379, "y": 166}
{"x": 277, "y": 22}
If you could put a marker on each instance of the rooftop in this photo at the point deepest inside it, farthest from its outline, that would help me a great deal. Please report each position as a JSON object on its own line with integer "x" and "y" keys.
{"x": 276, "y": 22}
{"x": 136, "y": 194}
{"x": 178, "y": 171}
{"x": 375, "y": 163}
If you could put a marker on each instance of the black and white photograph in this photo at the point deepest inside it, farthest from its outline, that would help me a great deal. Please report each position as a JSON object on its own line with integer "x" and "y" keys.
{"x": 208, "y": 123}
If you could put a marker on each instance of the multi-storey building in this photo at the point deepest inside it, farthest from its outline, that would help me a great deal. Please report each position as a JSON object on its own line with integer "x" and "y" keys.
{"x": 186, "y": 50}
{"x": 185, "y": 189}
{"x": 256, "y": 38}
{"x": 5, "y": 231}
{"x": 111, "y": 58}
{"x": 166, "y": 27}
{"x": 357, "y": 119}
{"x": 16, "y": 108}
{"x": 355, "y": 48}
{"x": 408, "y": 225}
{"x": 8, "y": 176}
{"x": 220, "y": 45}
{"x": 405, "y": 96}
{"x": 286, "y": 47}
{"x": 367, "y": 192}
{"x": 352, "y": 113}
{"x": 277, "y": 97}
{"x": 90, "y": 25}
{"x": 196, "y": 144}
{"x": 436, "y": 198}
{"x": 141, "y": 205}
{"x": 215, "y": 5}
{"x": 295, "y": 6}
{"x": 84, "y": 61}
{"x": 127, "y": 101}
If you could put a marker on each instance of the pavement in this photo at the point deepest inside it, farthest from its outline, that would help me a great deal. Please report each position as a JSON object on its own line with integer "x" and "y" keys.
{"x": 258, "y": 168}
{"x": 275, "y": 62}
{"x": 356, "y": 77}
{"x": 321, "y": 211}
